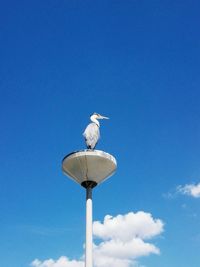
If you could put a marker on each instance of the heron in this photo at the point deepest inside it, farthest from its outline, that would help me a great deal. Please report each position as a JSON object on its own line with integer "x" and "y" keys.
{"x": 92, "y": 133}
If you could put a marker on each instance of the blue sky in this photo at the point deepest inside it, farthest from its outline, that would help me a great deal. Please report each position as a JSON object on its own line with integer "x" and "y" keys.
{"x": 136, "y": 62}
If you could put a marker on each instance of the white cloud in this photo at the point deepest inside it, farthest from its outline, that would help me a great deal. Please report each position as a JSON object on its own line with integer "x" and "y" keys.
{"x": 128, "y": 226}
{"x": 190, "y": 189}
{"x": 123, "y": 241}
{"x": 124, "y": 238}
{"x": 61, "y": 262}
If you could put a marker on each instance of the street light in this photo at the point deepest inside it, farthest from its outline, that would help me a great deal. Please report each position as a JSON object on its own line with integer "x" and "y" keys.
{"x": 89, "y": 168}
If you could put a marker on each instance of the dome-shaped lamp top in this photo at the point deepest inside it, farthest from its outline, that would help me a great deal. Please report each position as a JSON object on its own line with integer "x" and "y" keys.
{"x": 89, "y": 165}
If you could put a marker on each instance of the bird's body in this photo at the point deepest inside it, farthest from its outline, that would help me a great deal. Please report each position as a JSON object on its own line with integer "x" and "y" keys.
{"x": 92, "y": 135}
{"x": 92, "y": 132}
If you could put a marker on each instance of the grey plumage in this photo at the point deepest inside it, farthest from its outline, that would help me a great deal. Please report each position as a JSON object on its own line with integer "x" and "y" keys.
{"x": 92, "y": 133}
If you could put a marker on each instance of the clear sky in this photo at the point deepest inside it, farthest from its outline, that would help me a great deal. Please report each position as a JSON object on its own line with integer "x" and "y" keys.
{"x": 137, "y": 62}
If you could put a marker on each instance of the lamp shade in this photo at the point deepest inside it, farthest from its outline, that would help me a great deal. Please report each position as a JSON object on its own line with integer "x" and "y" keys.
{"x": 89, "y": 165}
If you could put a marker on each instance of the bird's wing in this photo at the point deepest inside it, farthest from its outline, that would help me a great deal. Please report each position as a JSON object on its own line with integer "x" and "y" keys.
{"x": 91, "y": 135}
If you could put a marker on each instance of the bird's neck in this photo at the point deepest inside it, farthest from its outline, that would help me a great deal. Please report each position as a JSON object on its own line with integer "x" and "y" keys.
{"x": 95, "y": 121}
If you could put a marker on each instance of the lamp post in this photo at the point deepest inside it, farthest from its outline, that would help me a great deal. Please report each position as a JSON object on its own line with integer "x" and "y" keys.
{"x": 89, "y": 168}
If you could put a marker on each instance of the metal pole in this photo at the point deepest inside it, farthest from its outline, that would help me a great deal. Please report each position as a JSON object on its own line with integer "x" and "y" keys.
{"x": 88, "y": 245}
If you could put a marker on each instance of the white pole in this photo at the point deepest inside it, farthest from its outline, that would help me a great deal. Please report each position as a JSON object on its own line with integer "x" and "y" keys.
{"x": 88, "y": 245}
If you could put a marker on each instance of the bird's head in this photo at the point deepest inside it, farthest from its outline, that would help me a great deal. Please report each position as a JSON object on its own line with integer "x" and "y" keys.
{"x": 97, "y": 116}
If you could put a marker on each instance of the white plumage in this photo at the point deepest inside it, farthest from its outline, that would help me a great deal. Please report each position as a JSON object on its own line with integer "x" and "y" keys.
{"x": 92, "y": 133}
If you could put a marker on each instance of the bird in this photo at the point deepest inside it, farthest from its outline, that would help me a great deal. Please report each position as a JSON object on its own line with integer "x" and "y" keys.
{"x": 92, "y": 133}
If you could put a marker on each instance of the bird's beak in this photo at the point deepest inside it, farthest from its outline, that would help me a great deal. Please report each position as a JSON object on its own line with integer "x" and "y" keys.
{"x": 103, "y": 117}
